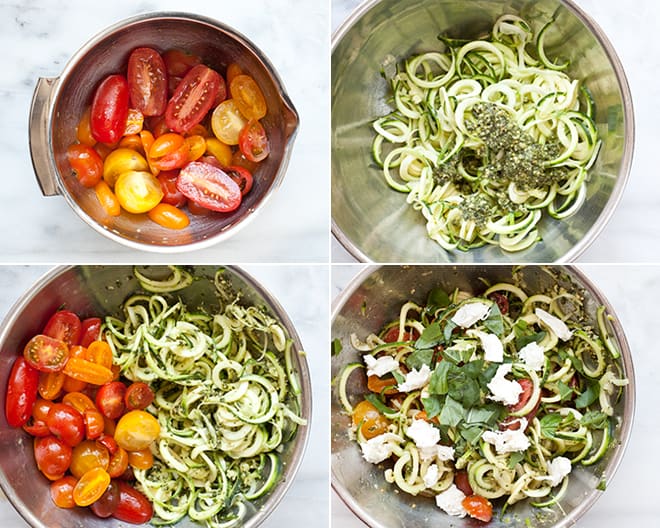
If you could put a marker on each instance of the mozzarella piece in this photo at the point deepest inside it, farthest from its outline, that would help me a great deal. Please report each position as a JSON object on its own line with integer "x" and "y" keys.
{"x": 431, "y": 476}
{"x": 415, "y": 379}
{"x": 533, "y": 355}
{"x": 380, "y": 447}
{"x": 381, "y": 366}
{"x": 451, "y": 501}
{"x": 504, "y": 390}
{"x": 470, "y": 313}
{"x": 558, "y": 468}
{"x": 493, "y": 348}
{"x": 508, "y": 441}
{"x": 556, "y": 325}
{"x": 425, "y": 436}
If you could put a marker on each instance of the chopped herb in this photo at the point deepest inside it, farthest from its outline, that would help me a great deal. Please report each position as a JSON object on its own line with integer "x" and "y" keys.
{"x": 336, "y": 346}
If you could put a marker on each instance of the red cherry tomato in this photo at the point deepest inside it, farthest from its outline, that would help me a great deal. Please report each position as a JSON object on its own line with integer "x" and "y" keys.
{"x": 171, "y": 195}
{"x": 107, "y": 504}
{"x": 109, "y": 442}
{"x": 46, "y": 354}
{"x": 138, "y": 396}
{"x": 478, "y": 507}
{"x": 209, "y": 187}
{"x": 36, "y": 428}
{"x": 61, "y": 491}
{"x": 21, "y": 394}
{"x": 193, "y": 98}
{"x": 179, "y": 62}
{"x": 147, "y": 81}
{"x": 463, "y": 482}
{"x": 501, "y": 300}
{"x": 65, "y": 326}
{"x": 241, "y": 176}
{"x": 91, "y": 331}
{"x": 527, "y": 389}
{"x": 392, "y": 335}
{"x": 86, "y": 163}
{"x": 133, "y": 506}
{"x": 110, "y": 109}
{"x": 110, "y": 399}
{"x": 53, "y": 456}
{"x": 66, "y": 423}
{"x": 253, "y": 141}
{"x": 94, "y": 423}
{"x": 169, "y": 151}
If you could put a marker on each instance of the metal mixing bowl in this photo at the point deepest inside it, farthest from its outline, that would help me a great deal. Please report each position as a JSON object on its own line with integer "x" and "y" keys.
{"x": 372, "y": 221}
{"x": 96, "y": 291}
{"x": 374, "y": 298}
{"x": 58, "y": 104}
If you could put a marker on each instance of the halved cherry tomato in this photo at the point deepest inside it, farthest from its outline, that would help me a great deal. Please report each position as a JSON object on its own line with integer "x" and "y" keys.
{"x": 527, "y": 389}
{"x": 94, "y": 423}
{"x": 132, "y": 141}
{"x": 65, "y": 326}
{"x": 84, "y": 130}
{"x": 386, "y": 384}
{"x": 239, "y": 159}
{"x": 178, "y": 62}
{"x": 241, "y": 176}
{"x": 84, "y": 370}
{"x": 227, "y": 122}
{"x": 110, "y": 399}
{"x": 133, "y": 506}
{"x": 392, "y": 335}
{"x": 122, "y": 160}
{"x": 107, "y": 440}
{"x": 248, "y": 97}
{"x": 147, "y": 139}
{"x": 142, "y": 459}
{"x": 91, "y": 486}
{"x": 91, "y": 330}
{"x": 61, "y": 491}
{"x": 107, "y": 503}
{"x": 462, "y": 482}
{"x": 87, "y": 455}
{"x": 107, "y": 199}
{"x": 169, "y": 151}
{"x": 53, "y": 456}
{"x": 100, "y": 352}
{"x": 66, "y": 423}
{"x": 196, "y": 147}
{"x": 118, "y": 462}
{"x": 46, "y": 354}
{"x": 147, "y": 81}
{"x": 110, "y": 109}
{"x": 478, "y": 507}
{"x": 86, "y": 163}
{"x": 171, "y": 195}
{"x": 233, "y": 71}
{"x": 198, "y": 130}
{"x": 371, "y": 422}
{"x": 193, "y": 98}
{"x": 138, "y": 191}
{"x": 36, "y": 428}
{"x": 169, "y": 216}
{"x": 136, "y": 430}
{"x": 41, "y": 409}
{"x": 209, "y": 186}
{"x": 21, "y": 394}
{"x": 219, "y": 150}
{"x": 138, "y": 396}
{"x": 501, "y": 300}
{"x": 253, "y": 141}
{"x": 134, "y": 122}
{"x": 79, "y": 401}
{"x": 50, "y": 384}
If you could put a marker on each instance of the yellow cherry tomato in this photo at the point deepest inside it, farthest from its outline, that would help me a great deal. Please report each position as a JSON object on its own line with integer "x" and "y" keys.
{"x": 219, "y": 150}
{"x": 138, "y": 191}
{"x": 122, "y": 160}
{"x": 227, "y": 122}
{"x": 248, "y": 97}
{"x": 136, "y": 430}
{"x": 91, "y": 486}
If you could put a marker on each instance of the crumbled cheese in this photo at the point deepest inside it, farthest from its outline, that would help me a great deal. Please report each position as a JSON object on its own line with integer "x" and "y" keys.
{"x": 431, "y": 476}
{"x": 380, "y": 447}
{"x": 451, "y": 501}
{"x": 470, "y": 313}
{"x": 425, "y": 437}
{"x": 508, "y": 441}
{"x": 415, "y": 379}
{"x": 445, "y": 453}
{"x": 493, "y": 348}
{"x": 556, "y": 325}
{"x": 504, "y": 390}
{"x": 533, "y": 356}
{"x": 381, "y": 366}
{"x": 558, "y": 468}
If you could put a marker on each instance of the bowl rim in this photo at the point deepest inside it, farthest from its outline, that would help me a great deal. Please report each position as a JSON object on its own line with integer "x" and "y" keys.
{"x": 300, "y": 441}
{"x": 581, "y": 279}
{"x": 628, "y": 118}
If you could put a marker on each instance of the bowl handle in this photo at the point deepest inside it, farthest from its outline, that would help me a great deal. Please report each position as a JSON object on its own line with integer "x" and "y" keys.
{"x": 291, "y": 119}
{"x": 39, "y": 144}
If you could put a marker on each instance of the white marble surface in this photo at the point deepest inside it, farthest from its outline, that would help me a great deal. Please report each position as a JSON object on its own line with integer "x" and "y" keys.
{"x": 631, "y": 234}
{"x": 303, "y": 292}
{"x": 39, "y": 36}
{"x": 631, "y": 496}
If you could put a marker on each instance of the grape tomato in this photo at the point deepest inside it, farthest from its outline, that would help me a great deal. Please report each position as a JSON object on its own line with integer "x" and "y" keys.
{"x": 21, "y": 393}
{"x": 110, "y": 109}
{"x": 147, "y": 81}
{"x": 46, "y": 354}
{"x": 253, "y": 141}
{"x": 209, "y": 187}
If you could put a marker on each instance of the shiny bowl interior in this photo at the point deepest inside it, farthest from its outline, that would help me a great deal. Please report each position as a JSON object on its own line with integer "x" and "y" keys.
{"x": 372, "y": 221}
{"x": 218, "y": 45}
{"x": 374, "y": 298}
{"x": 100, "y": 290}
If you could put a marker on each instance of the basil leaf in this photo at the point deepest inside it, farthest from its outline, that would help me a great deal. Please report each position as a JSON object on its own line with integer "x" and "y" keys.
{"x": 438, "y": 383}
{"x": 464, "y": 388}
{"x": 452, "y": 412}
{"x": 488, "y": 414}
{"x": 460, "y": 352}
{"x": 549, "y": 425}
{"x": 400, "y": 378}
{"x": 449, "y": 328}
{"x": 525, "y": 335}
{"x": 437, "y": 298}
{"x": 433, "y": 405}
{"x": 494, "y": 321}
{"x": 595, "y": 420}
{"x": 565, "y": 392}
{"x": 336, "y": 346}
{"x": 589, "y": 396}
{"x": 416, "y": 359}
{"x": 515, "y": 458}
{"x": 431, "y": 336}
{"x": 472, "y": 433}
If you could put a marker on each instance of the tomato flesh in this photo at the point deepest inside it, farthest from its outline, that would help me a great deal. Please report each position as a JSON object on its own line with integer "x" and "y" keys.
{"x": 527, "y": 389}
{"x": 110, "y": 109}
{"x": 209, "y": 187}
{"x": 462, "y": 482}
{"x": 249, "y": 99}
{"x": 253, "y": 141}
{"x": 370, "y": 421}
{"x": 478, "y": 507}
{"x": 21, "y": 395}
{"x": 91, "y": 486}
{"x": 65, "y": 326}
{"x": 147, "y": 81}
{"x": 241, "y": 176}
{"x": 193, "y": 98}
{"x": 138, "y": 191}
{"x": 138, "y": 396}
{"x": 227, "y": 122}
{"x": 110, "y": 399}
{"x": 46, "y": 354}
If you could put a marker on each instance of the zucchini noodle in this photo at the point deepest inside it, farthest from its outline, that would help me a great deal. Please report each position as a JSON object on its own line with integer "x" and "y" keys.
{"x": 227, "y": 398}
{"x": 510, "y": 388}
{"x": 484, "y": 138}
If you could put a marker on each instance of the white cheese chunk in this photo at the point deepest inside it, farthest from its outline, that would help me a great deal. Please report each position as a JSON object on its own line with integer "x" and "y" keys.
{"x": 415, "y": 379}
{"x": 558, "y": 468}
{"x": 380, "y": 447}
{"x": 451, "y": 501}
{"x": 381, "y": 366}
{"x": 470, "y": 313}
{"x": 431, "y": 476}
{"x": 493, "y": 348}
{"x": 556, "y": 325}
{"x": 425, "y": 436}
{"x": 504, "y": 390}
{"x": 533, "y": 356}
{"x": 445, "y": 453}
{"x": 508, "y": 441}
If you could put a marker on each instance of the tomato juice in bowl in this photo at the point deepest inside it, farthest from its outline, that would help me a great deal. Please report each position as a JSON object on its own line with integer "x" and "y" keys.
{"x": 59, "y": 103}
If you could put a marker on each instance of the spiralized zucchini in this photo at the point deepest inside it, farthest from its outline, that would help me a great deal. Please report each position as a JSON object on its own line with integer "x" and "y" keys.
{"x": 514, "y": 388}
{"x": 227, "y": 398}
{"x": 485, "y": 137}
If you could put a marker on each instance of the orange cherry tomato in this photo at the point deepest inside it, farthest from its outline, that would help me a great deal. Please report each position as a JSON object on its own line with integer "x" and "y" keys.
{"x": 233, "y": 71}
{"x": 386, "y": 384}
{"x": 61, "y": 491}
{"x": 134, "y": 122}
{"x": 103, "y": 150}
{"x": 136, "y": 430}
{"x": 100, "y": 352}
{"x": 478, "y": 507}
{"x": 370, "y": 421}
{"x": 248, "y": 97}
{"x": 169, "y": 151}
{"x": 118, "y": 462}
{"x": 79, "y": 401}
{"x": 196, "y": 147}
{"x": 107, "y": 199}
{"x": 88, "y": 454}
{"x": 53, "y": 456}
{"x": 143, "y": 459}
{"x": 219, "y": 150}
{"x": 86, "y": 163}
{"x": 94, "y": 423}
{"x": 197, "y": 130}
{"x": 132, "y": 141}
{"x": 46, "y": 354}
{"x": 91, "y": 486}
{"x": 41, "y": 409}
{"x": 147, "y": 139}
{"x": 169, "y": 216}
{"x": 50, "y": 384}
{"x": 84, "y": 370}
{"x": 84, "y": 130}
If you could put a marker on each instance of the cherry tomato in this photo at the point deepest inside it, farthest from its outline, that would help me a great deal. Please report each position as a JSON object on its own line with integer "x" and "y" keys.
{"x": 53, "y": 456}
{"x": 248, "y": 97}
{"x": 209, "y": 186}
{"x": 46, "y": 354}
{"x": 158, "y": 126}
{"x": 478, "y": 507}
{"x": 61, "y": 491}
{"x": 386, "y": 385}
{"x": 241, "y": 176}
{"x": 147, "y": 81}
{"x": 527, "y": 389}
{"x": 178, "y": 62}
{"x": 501, "y": 300}
{"x": 233, "y": 71}
{"x": 21, "y": 394}
{"x": 100, "y": 352}
{"x": 370, "y": 421}
{"x": 227, "y": 122}
{"x": 193, "y": 98}
{"x": 138, "y": 191}
{"x": 86, "y": 163}
{"x": 108, "y": 441}
{"x": 107, "y": 199}
{"x": 65, "y": 326}
{"x": 122, "y": 160}
{"x": 392, "y": 335}
{"x": 196, "y": 146}
{"x": 136, "y": 430}
{"x": 134, "y": 123}
{"x": 133, "y": 506}
{"x": 169, "y": 216}
{"x": 91, "y": 486}
{"x": 94, "y": 423}
{"x": 132, "y": 141}
{"x": 171, "y": 195}
{"x": 198, "y": 130}
{"x": 41, "y": 409}
{"x": 169, "y": 151}
{"x": 138, "y": 396}
{"x": 219, "y": 150}
{"x": 36, "y": 428}
{"x": 110, "y": 109}
{"x": 87, "y": 455}
{"x": 147, "y": 139}
{"x": 79, "y": 401}
{"x": 84, "y": 370}
{"x": 103, "y": 150}
{"x": 84, "y": 130}
{"x": 110, "y": 399}
{"x": 50, "y": 384}
{"x": 107, "y": 503}
{"x": 91, "y": 330}
{"x": 66, "y": 423}
{"x": 253, "y": 141}
{"x": 118, "y": 462}
{"x": 142, "y": 459}
{"x": 463, "y": 482}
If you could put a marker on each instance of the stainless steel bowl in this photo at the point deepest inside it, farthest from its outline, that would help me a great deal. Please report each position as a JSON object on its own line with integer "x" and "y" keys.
{"x": 374, "y": 298}
{"x": 59, "y": 102}
{"x": 100, "y": 290}
{"x": 372, "y": 221}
